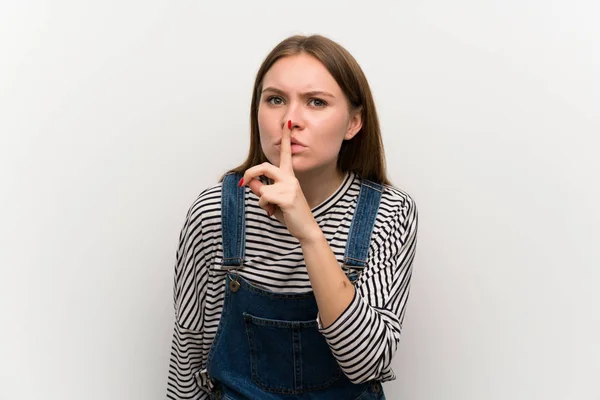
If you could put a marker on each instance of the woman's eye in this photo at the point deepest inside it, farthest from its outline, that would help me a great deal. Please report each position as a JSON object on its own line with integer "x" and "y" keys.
{"x": 275, "y": 100}
{"x": 318, "y": 103}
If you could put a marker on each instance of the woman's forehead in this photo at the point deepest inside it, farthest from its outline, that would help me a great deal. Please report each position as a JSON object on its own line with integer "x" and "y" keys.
{"x": 300, "y": 73}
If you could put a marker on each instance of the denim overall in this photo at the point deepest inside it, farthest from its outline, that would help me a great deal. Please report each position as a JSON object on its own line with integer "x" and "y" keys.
{"x": 267, "y": 344}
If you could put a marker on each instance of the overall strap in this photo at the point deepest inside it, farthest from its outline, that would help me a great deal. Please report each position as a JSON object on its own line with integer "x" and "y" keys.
{"x": 233, "y": 221}
{"x": 363, "y": 221}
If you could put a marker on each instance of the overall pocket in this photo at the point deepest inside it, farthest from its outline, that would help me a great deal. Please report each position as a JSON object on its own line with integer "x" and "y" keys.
{"x": 289, "y": 357}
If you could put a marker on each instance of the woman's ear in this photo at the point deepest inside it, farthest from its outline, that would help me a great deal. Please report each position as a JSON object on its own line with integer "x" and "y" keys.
{"x": 355, "y": 123}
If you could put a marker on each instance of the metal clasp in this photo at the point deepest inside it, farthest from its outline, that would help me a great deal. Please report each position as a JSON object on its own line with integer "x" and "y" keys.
{"x": 349, "y": 270}
{"x": 234, "y": 285}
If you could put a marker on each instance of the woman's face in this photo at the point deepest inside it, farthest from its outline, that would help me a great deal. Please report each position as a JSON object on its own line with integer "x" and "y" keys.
{"x": 299, "y": 88}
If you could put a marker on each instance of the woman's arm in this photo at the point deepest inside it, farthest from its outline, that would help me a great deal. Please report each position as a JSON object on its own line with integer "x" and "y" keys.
{"x": 186, "y": 348}
{"x": 362, "y": 326}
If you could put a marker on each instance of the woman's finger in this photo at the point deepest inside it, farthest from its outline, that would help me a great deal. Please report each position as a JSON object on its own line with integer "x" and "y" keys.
{"x": 285, "y": 153}
{"x": 266, "y": 169}
{"x": 255, "y": 186}
{"x": 269, "y": 208}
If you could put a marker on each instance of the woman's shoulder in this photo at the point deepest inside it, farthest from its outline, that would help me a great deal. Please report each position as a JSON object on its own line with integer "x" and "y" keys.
{"x": 397, "y": 202}
{"x": 394, "y": 199}
{"x": 397, "y": 195}
{"x": 207, "y": 202}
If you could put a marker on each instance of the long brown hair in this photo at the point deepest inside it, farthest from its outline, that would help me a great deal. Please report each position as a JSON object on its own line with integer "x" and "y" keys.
{"x": 363, "y": 154}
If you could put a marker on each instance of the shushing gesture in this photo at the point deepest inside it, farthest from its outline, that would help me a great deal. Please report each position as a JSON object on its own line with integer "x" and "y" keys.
{"x": 284, "y": 198}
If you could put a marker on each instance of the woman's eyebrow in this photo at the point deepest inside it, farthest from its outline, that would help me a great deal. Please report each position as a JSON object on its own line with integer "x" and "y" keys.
{"x": 305, "y": 94}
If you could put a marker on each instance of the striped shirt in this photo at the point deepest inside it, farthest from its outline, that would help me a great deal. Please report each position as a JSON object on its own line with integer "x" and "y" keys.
{"x": 363, "y": 339}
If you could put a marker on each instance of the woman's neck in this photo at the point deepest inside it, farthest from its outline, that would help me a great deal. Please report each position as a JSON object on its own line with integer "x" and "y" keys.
{"x": 317, "y": 186}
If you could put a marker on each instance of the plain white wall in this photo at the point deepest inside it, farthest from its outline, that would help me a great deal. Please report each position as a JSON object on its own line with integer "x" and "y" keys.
{"x": 114, "y": 116}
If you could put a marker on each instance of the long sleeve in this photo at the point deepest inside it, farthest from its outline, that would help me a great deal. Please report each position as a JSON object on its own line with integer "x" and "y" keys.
{"x": 188, "y": 299}
{"x": 365, "y": 337}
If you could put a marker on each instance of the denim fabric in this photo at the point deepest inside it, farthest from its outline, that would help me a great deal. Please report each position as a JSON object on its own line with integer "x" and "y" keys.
{"x": 267, "y": 345}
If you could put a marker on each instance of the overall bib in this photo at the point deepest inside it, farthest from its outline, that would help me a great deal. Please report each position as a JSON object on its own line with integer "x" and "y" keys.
{"x": 267, "y": 345}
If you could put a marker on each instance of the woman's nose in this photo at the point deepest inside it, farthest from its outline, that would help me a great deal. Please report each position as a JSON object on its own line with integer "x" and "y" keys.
{"x": 293, "y": 114}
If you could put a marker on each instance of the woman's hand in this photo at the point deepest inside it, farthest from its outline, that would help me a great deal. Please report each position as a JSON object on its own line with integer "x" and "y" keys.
{"x": 284, "y": 198}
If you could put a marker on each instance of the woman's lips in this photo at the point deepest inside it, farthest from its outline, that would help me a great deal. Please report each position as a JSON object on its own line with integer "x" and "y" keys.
{"x": 296, "y": 148}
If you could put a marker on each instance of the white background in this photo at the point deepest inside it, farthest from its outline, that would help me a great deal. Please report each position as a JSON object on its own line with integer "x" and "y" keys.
{"x": 115, "y": 115}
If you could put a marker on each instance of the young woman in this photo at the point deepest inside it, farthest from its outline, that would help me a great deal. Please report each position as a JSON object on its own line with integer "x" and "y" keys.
{"x": 293, "y": 272}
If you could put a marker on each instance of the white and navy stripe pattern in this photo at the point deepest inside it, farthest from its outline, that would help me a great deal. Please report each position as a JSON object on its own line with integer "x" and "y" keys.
{"x": 363, "y": 339}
